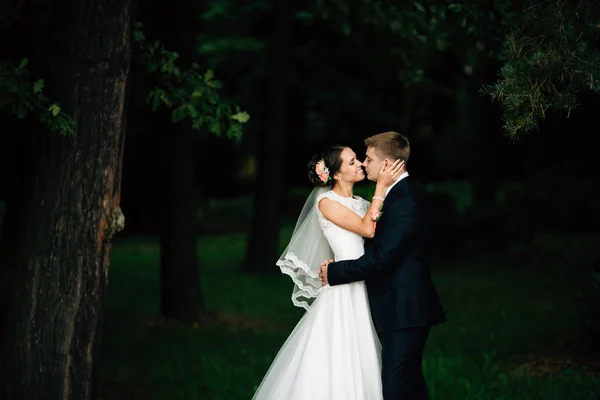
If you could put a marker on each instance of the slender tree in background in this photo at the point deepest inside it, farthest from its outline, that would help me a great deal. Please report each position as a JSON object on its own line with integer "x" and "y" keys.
{"x": 262, "y": 247}
{"x": 180, "y": 282}
{"x": 60, "y": 282}
{"x": 186, "y": 99}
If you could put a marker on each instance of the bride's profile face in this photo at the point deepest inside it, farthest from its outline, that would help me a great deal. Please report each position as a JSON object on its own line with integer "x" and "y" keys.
{"x": 351, "y": 169}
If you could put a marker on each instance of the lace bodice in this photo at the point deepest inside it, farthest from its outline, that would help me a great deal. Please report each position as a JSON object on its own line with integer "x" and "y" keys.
{"x": 346, "y": 245}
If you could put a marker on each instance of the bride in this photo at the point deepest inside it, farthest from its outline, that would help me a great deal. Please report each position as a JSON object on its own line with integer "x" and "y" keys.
{"x": 333, "y": 353}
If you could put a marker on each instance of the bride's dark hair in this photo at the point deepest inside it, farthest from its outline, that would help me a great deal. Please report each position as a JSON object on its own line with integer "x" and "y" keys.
{"x": 333, "y": 161}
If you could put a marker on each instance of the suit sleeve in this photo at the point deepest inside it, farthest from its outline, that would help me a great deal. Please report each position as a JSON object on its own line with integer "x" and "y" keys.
{"x": 402, "y": 221}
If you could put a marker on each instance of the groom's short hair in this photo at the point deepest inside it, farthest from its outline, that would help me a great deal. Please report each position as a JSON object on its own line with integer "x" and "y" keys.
{"x": 392, "y": 145}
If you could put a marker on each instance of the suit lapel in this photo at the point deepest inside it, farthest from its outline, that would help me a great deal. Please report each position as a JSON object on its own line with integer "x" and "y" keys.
{"x": 391, "y": 196}
{"x": 396, "y": 187}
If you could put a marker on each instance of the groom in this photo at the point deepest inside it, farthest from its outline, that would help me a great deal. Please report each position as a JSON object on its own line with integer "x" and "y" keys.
{"x": 396, "y": 267}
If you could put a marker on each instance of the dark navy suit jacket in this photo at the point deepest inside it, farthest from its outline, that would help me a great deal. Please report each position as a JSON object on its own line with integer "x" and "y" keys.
{"x": 396, "y": 264}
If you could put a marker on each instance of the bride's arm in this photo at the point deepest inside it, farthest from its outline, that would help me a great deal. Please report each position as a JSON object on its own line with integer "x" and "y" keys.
{"x": 343, "y": 217}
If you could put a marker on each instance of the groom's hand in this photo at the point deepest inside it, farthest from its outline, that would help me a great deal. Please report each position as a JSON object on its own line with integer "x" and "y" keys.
{"x": 323, "y": 272}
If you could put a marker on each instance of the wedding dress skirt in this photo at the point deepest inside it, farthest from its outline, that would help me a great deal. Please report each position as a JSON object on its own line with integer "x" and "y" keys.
{"x": 333, "y": 353}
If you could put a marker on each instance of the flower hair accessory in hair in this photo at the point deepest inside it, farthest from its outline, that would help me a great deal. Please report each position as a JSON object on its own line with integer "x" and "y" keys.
{"x": 322, "y": 171}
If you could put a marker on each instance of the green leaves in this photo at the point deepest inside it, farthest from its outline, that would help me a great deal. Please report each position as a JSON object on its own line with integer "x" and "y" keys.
{"x": 417, "y": 29}
{"x": 549, "y": 58}
{"x": 209, "y": 75}
{"x": 419, "y": 6}
{"x": 38, "y": 86}
{"x": 191, "y": 94}
{"x": 54, "y": 109}
{"x": 20, "y": 97}
{"x": 241, "y": 117}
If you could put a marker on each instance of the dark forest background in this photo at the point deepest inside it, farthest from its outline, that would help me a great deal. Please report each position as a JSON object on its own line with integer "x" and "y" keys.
{"x": 162, "y": 147}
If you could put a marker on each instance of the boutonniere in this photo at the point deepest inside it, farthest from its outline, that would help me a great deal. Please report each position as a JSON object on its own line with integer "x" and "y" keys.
{"x": 376, "y": 215}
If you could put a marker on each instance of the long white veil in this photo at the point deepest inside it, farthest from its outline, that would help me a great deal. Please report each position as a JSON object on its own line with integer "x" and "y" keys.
{"x": 307, "y": 249}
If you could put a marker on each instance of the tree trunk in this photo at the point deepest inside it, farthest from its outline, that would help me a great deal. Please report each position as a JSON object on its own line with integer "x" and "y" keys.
{"x": 262, "y": 247}
{"x": 60, "y": 283}
{"x": 298, "y": 150}
{"x": 180, "y": 282}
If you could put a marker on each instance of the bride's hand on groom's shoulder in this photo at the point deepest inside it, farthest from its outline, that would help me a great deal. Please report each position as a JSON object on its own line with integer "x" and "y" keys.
{"x": 388, "y": 174}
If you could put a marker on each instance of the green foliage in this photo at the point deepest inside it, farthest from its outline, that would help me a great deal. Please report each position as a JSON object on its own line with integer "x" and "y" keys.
{"x": 412, "y": 27}
{"x": 20, "y": 96}
{"x": 418, "y": 28}
{"x": 488, "y": 20}
{"x": 550, "y": 56}
{"x": 191, "y": 93}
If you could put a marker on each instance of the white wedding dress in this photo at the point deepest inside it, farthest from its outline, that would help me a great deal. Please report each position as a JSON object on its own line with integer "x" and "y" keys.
{"x": 333, "y": 353}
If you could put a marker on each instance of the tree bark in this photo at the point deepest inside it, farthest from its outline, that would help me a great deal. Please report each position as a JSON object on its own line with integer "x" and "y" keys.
{"x": 181, "y": 296}
{"x": 60, "y": 283}
{"x": 263, "y": 242}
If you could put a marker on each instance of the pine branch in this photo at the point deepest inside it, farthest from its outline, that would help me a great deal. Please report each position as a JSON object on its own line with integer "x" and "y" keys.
{"x": 549, "y": 59}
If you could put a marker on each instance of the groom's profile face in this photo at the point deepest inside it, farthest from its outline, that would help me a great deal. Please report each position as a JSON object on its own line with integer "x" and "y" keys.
{"x": 373, "y": 163}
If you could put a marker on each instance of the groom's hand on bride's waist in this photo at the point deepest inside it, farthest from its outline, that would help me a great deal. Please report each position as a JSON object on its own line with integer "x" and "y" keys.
{"x": 323, "y": 271}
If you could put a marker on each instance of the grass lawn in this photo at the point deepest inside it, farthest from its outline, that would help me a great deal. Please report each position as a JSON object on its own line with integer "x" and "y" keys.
{"x": 508, "y": 313}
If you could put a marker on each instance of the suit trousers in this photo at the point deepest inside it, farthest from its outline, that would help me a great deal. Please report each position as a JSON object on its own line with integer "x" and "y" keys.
{"x": 402, "y": 355}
